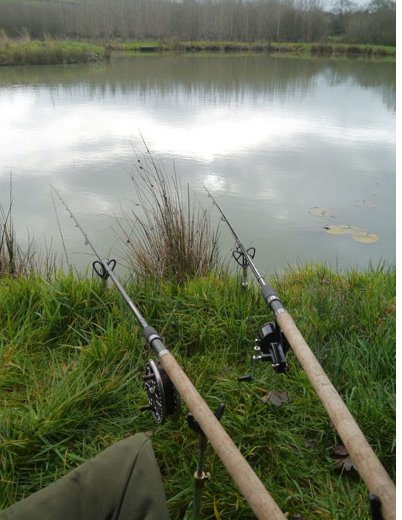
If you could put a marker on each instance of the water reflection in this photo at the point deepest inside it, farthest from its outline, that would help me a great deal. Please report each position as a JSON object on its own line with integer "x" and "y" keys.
{"x": 50, "y": 138}
{"x": 216, "y": 77}
{"x": 274, "y": 137}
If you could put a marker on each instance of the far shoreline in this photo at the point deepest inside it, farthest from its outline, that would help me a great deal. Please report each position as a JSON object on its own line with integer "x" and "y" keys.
{"x": 51, "y": 52}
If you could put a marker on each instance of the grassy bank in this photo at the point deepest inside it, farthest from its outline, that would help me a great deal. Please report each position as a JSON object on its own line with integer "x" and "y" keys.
{"x": 281, "y": 47}
{"x": 49, "y": 52}
{"x": 71, "y": 357}
{"x": 53, "y": 52}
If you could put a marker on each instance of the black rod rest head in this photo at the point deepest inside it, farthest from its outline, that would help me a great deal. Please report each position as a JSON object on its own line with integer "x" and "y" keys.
{"x": 193, "y": 423}
{"x": 241, "y": 258}
{"x": 100, "y": 269}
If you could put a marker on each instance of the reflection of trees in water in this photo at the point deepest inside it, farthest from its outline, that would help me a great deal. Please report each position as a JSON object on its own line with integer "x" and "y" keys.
{"x": 218, "y": 77}
{"x": 380, "y": 76}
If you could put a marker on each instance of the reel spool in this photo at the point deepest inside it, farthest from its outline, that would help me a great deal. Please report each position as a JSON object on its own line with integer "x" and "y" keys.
{"x": 163, "y": 398}
{"x": 270, "y": 345}
{"x": 274, "y": 345}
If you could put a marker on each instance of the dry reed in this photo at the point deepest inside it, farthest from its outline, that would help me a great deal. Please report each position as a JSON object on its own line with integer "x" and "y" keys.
{"x": 16, "y": 261}
{"x": 167, "y": 235}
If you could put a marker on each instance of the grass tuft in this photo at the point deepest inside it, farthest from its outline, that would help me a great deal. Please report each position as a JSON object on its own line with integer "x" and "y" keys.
{"x": 167, "y": 235}
{"x": 16, "y": 261}
{"x": 13, "y": 260}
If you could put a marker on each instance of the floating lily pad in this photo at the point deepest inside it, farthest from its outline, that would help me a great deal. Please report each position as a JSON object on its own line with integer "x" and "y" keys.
{"x": 338, "y": 230}
{"x": 364, "y": 237}
{"x": 360, "y": 235}
{"x": 320, "y": 212}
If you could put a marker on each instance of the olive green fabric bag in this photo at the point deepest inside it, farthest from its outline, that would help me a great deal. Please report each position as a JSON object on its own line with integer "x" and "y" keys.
{"x": 121, "y": 483}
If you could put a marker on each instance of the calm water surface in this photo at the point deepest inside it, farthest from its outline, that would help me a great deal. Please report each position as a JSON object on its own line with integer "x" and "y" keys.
{"x": 272, "y": 138}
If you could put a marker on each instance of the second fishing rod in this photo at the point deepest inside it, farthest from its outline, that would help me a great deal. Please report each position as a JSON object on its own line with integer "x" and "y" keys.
{"x": 166, "y": 382}
{"x": 273, "y": 340}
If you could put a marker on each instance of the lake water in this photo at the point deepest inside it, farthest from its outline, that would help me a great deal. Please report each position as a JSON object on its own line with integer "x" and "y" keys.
{"x": 287, "y": 146}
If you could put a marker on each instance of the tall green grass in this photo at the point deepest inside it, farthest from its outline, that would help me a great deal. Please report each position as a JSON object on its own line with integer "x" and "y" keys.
{"x": 49, "y": 52}
{"x": 299, "y": 48}
{"x": 71, "y": 359}
{"x": 166, "y": 234}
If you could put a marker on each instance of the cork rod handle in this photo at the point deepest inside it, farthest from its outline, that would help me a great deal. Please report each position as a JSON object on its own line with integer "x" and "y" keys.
{"x": 260, "y": 501}
{"x": 366, "y": 461}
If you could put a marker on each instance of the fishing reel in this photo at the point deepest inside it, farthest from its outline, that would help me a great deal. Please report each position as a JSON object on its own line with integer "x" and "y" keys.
{"x": 269, "y": 345}
{"x": 163, "y": 398}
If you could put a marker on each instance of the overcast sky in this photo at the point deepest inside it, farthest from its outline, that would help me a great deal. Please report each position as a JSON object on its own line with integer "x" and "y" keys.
{"x": 331, "y": 3}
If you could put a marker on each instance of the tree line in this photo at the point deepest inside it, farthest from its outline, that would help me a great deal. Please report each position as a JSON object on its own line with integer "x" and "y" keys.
{"x": 192, "y": 20}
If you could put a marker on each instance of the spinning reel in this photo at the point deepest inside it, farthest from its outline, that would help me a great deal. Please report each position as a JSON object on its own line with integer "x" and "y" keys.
{"x": 269, "y": 345}
{"x": 273, "y": 344}
{"x": 163, "y": 398}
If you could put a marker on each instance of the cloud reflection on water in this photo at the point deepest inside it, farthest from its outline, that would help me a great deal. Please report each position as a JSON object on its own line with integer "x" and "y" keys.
{"x": 48, "y": 139}
{"x": 273, "y": 137}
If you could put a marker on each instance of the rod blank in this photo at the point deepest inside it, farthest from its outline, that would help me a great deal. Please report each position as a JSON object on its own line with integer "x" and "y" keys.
{"x": 257, "y": 496}
{"x": 366, "y": 461}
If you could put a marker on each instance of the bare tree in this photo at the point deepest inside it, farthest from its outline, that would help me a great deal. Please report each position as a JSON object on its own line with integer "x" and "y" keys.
{"x": 235, "y": 20}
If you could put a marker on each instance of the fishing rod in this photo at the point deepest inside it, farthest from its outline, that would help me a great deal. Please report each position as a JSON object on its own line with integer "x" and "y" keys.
{"x": 382, "y": 492}
{"x": 166, "y": 382}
